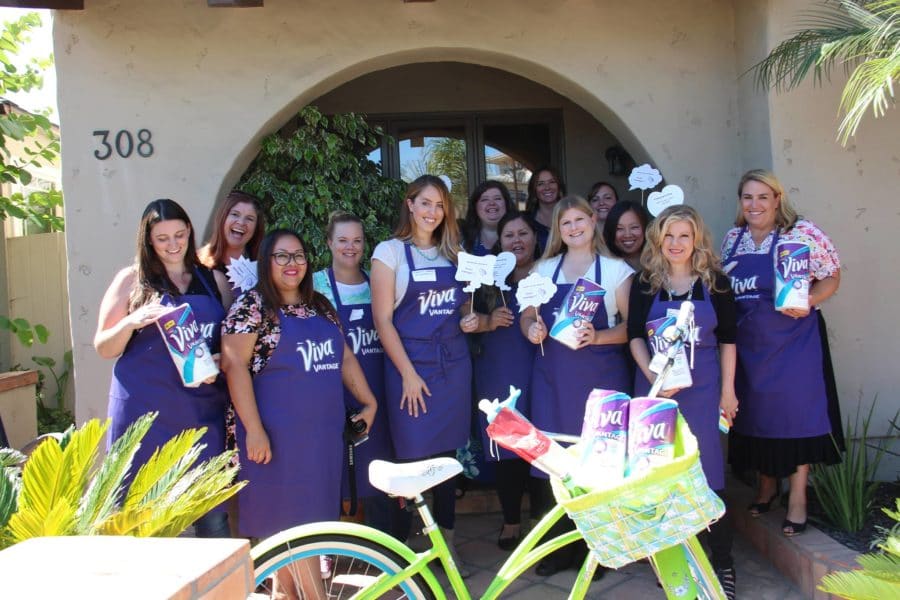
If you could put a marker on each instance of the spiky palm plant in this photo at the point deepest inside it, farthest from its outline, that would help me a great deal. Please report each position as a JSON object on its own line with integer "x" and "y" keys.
{"x": 863, "y": 36}
{"x": 879, "y": 577}
{"x": 64, "y": 490}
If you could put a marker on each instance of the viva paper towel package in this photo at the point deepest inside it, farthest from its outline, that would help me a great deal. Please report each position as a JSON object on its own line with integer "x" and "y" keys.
{"x": 186, "y": 345}
{"x": 679, "y": 376}
{"x": 580, "y": 304}
{"x": 792, "y": 271}
{"x": 604, "y": 437}
{"x": 651, "y": 433}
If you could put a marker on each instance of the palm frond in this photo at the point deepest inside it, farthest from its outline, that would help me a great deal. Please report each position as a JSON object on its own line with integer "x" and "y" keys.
{"x": 29, "y": 523}
{"x": 126, "y": 522}
{"x": 881, "y": 566}
{"x": 857, "y": 585}
{"x": 870, "y": 85}
{"x": 105, "y": 488}
{"x": 79, "y": 457}
{"x": 200, "y": 490}
{"x": 165, "y": 466}
{"x": 9, "y": 457}
{"x": 42, "y": 478}
{"x": 9, "y": 493}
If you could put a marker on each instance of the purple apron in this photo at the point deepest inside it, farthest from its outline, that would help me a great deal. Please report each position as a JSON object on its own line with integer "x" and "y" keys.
{"x": 299, "y": 395}
{"x": 427, "y": 320}
{"x": 699, "y": 403}
{"x": 505, "y": 357}
{"x": 563, "y": 378}
{"x": 145, "y": 379}
{"x": 779, "y": 380}
{"x": 362, "y": 339}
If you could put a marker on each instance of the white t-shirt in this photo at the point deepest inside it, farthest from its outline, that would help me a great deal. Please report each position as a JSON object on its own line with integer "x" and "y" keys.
{"x": 391, "y": 253}
{"x": 613, "y": 271}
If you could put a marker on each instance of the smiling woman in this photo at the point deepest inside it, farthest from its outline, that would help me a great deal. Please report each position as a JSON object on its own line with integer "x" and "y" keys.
{"x": 165, "y": 273}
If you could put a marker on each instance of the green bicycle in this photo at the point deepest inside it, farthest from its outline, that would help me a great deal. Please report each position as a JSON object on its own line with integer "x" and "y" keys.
{"x": 655, "y": 516}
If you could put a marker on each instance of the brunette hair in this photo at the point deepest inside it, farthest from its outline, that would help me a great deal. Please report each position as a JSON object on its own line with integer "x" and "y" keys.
{"x": 341, "y": 216}
{"x": 212, "y": 255}
{"x": 596, "y": 188}
{"x": 555, "y": 243}
{"x": 612, "y": 222}
{"x": 510, "y": 217}
{"x": 785, "y": 217}
{"x": 446, "y": 236}
{"x": 271, "y": 299}
{"x": 531, "y": 204}
{"x": 704, "y": 261}
{"x": 471, "y": 224}
{"x": 151, "y": 279}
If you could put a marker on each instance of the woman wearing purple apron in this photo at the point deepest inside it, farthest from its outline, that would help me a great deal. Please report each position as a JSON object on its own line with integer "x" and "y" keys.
{"x": 680, "y": 265}
{"x": 784, "y": 424}
{"x": 504, "y": 359}
{"x": 286, "y": 362}
{"x": 563, "y": 378}
{"x": 416, "y": 301}
{"x": 238, "y": 226}
{"x": 165, "y": 274}
{"x": 545, "y": 189}
{"x": 346, "y": 286}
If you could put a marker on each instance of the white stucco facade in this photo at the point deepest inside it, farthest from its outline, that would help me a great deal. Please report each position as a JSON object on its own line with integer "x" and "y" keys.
{"x": 663, "y": 78}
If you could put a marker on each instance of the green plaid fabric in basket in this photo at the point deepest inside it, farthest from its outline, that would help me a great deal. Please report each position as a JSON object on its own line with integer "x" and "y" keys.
{"x": 649, "y": 513}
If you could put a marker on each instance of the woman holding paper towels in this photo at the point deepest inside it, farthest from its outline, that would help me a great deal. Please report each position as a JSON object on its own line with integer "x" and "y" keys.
{"x": 416, "y": 304}
{"x": 165, "y": 274}
{"x": 592, "y": 354}
{"x": 781, "y": 267}
{"x": 346, "y": 285}
{"x": 680, "y": 265}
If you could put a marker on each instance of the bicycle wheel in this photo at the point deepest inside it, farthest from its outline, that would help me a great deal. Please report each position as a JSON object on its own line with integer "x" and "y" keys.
{"x": 332, "y": 566}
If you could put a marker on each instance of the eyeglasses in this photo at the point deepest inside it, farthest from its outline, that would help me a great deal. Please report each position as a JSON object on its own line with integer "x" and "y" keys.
{"x": 285, "y": 258}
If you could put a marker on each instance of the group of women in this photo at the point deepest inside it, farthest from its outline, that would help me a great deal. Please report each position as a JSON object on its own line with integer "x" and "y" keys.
{"x": 405, "y": 350}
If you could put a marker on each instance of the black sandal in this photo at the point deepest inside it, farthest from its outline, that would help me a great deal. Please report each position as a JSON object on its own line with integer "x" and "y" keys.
{"x": 790, "y": 529}
{"x": 758, "y": 508}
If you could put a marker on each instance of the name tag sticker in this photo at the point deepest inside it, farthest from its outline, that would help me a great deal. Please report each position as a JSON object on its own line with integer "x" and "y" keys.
{"x": 424, "y": 275}
{"x": 356, "y": 314}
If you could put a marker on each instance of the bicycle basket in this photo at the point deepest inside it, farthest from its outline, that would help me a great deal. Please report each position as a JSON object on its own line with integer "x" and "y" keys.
{"x": 647, "y": 513}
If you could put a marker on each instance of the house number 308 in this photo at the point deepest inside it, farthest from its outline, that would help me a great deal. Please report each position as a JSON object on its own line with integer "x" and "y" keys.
{"x": 123, "y": 143}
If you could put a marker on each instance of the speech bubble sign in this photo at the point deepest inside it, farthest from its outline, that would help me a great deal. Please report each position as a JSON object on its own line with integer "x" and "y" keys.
{"x": 534, "y": 290}
{"x": 476, "y": 270}
{"x": 644, "y": 177}
{"x": 670, "y": 195}
{"x": 503, "y": 266}
{"x": 242, "y": 273}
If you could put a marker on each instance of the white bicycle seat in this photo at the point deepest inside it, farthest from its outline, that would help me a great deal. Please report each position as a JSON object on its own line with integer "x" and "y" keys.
{"x": 408, "y": 480}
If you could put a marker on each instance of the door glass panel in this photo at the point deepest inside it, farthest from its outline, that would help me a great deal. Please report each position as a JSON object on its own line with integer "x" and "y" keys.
{"x": 436, "y": 151}
{"x": 510, "y": 172}
{"x": 512, "y": 151}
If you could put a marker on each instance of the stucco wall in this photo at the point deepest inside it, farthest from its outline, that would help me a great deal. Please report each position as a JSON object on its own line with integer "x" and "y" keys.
{"x": 208, "y": 83}
{"x": 852, "y": 194}
{"x": 661, "y": 76}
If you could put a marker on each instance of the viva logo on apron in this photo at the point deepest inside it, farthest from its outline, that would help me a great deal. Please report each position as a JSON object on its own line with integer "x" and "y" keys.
{"x": 145, "y": 379}
{"x": 299, "y": 396}
{"x": 779, "y": 379}
{"x": 427, "y": 321}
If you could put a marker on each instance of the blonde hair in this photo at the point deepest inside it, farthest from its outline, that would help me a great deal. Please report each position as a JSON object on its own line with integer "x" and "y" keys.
{"x": 555, "y": 243}
{"x": 446, "y": 236}
{"x": 785, "y": 216}
{"x": 705, "y": 262}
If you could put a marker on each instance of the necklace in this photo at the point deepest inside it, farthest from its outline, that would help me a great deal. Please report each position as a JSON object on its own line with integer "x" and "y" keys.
{"x": 671, "y": 289}
{"x": 437, "y": 253}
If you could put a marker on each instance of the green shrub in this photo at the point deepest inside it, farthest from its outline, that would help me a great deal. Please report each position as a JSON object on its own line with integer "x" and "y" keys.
{"x": 320, "y": 167}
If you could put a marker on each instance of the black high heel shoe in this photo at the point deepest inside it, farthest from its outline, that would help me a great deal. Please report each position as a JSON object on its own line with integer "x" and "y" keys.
{"x": 758, "y": 508}
{"x": 508, "y": 544}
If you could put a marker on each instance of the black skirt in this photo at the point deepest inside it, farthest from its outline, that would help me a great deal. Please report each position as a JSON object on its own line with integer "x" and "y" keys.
{"x": 779, "y": 457}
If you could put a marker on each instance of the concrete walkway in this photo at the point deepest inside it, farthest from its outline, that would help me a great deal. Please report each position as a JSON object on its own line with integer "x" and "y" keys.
{"x": 476, "y": 536}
